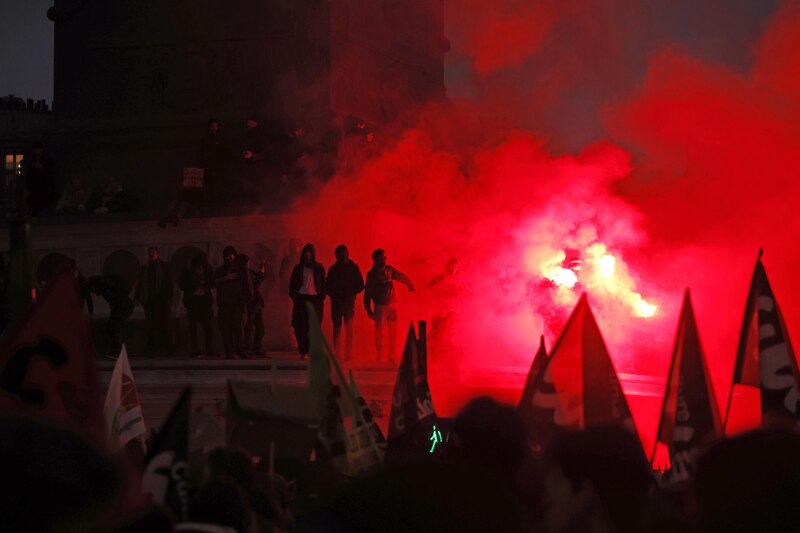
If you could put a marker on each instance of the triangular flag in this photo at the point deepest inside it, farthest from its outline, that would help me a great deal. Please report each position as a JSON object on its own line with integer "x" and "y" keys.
{"x": 361, "y": 452}
{"x": 366, "y": 417}
{"x": 765, "y": 378}
{"x": 332, "y": 396}
{"x": 689, "y": 418}
{"x": 412, "y": 414}
{"x": 47, "y": 363}
{"x": 123, "y": 410}
{"x": 166, "y": 471}
{"x": 526, "y": 398}
{"x": 578, "y": 387}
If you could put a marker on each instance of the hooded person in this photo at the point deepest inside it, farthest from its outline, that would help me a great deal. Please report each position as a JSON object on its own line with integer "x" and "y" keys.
{"x": 306, "y": 285}
{"x": 344, "y": 283}
{"x": 380, "y": 291}
{"x": 234, "y": 290}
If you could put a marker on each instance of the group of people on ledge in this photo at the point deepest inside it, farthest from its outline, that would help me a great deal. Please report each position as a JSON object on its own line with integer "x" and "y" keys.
{"x": 310, "y": 285}
{"x": 239, "y": 291}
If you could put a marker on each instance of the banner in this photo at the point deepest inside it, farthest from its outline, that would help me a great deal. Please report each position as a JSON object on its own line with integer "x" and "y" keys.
{"x": 192, "y": 178}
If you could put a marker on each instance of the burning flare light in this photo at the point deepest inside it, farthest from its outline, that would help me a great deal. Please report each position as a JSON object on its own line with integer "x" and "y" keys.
{"x": 600, "y": 273}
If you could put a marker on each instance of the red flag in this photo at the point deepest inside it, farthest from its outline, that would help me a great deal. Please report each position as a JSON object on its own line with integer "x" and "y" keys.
{"x": 578, "y": 387}
{"x": 690, "y": 417}
{"x": 47, "y": 363}
{"x": 765, "y": 378}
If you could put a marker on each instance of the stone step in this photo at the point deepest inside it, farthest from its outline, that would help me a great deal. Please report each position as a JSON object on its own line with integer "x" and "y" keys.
{"x": 161, "y": 380}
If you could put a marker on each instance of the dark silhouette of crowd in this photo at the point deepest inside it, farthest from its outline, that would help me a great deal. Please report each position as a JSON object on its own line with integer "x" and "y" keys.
{"x": 260, "y": 165}
{"x": 592, "y": 481}
{"x": 235, "y": 293}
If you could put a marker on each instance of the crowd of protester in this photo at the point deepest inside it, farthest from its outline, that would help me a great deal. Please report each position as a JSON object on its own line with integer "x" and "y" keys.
{"x": 235, "y": 294}
{"x": 239, "y": 289}
{"x": 593, "y": 481}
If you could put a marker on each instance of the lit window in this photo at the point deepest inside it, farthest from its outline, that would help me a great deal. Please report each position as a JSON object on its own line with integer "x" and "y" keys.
{"x": 12, "y": 167}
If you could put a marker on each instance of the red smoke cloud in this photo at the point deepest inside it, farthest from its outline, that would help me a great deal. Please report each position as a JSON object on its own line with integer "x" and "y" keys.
{"x": 504, "y": 34}
{"x": 698, "y": 169}
{"x": 717, "y": 176}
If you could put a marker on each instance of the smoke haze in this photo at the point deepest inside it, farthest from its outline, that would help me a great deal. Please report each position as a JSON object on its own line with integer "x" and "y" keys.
{"x": 666, "y": 132}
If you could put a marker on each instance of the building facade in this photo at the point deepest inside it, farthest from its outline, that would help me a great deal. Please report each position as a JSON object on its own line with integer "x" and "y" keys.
{"x": 136, "y": 82}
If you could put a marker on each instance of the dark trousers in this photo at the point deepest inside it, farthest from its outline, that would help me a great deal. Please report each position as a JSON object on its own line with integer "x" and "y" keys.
{"x": 343, "y": 311}
{"x": 231, "y": 328}
{"x": 204, "y": 323}
{"x": 158, "y": 323}
{"x": 300, "y": 319}
{"x": 114, "y": 332}
{"x": 254, "y": 330}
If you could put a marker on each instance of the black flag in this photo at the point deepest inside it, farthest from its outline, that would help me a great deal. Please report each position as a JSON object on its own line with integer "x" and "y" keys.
{"x": 525, "y": 406}
{"x": 690, "y": 418}
{"x": 412, "y": 414}
{"x": 578, "y": 387}
{"x": 165, "y": 476}
{"x": 765, "y": 362}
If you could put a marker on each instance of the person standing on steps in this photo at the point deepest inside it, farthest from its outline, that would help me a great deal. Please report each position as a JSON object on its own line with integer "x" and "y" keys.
{"x": 306, "y": 285}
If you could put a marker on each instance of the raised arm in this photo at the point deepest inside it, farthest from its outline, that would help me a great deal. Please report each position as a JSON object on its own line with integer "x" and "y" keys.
{"x": 402, "y": 278}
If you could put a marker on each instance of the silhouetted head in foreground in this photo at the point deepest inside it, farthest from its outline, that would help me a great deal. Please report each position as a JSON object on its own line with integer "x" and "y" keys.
{"x": 596, "y": 480}
{"x": 750, "y": 483}
{"x": 54, "y": 479}
{"x": 491, "y": 434}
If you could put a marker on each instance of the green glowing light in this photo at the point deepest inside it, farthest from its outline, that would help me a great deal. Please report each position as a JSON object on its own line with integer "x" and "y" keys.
{"x": 435, "y": 438}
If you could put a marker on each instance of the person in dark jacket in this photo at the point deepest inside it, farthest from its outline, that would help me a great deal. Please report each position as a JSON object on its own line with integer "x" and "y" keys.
{"x": 307, "y": 285}
{"x": 234, "y": 288}
{"x": 154, "y": 293}
{"x": 344, "y": 283}
{"x": 196, "y": 284}
{"x": 380, "y": 290}
{"x": 115, "y": 291}
{"x": 263, "y": 280}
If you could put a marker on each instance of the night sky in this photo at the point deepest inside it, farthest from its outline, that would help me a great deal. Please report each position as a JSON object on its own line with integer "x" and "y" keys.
{"x": 26, "y": 50}
{"x": 26, "y": 42}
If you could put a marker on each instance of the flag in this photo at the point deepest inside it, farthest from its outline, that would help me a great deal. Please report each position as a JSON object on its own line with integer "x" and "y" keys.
{"x": 166, "y": 471}
{"x": 365, "y": 417}
{"x": 123, "y": 410}
{"x": 765, "y": 363}
{"x": 332, "y": 397}
{"x": 526, "y": 399}
{"x": 412, "y": 414}
{"x": 578, "y": 387}
{"x": 47, "y": 362}
{"x": 689, "y": 418}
